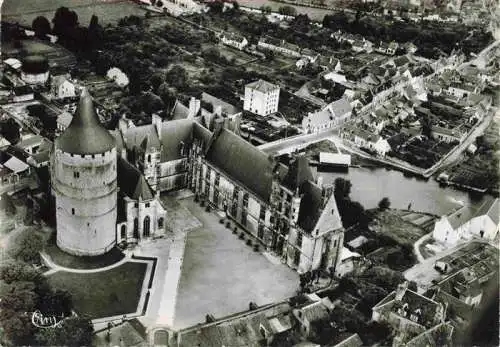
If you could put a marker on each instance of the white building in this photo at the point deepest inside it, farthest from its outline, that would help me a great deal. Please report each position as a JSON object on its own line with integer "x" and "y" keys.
{"x": 62, "y": 87}
{"x": 84, "y": 182}
{"x": 178, "y": 7}
{"x": 334, "y": 114}
{"x": 261, "y": 97}
{"x": 468, "y": 222}
{"x": 234, "y": 40}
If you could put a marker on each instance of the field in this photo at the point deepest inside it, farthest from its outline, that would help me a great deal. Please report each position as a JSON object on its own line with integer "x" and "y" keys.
{"x": 108, "y": 11}
{"x": 103, "y": 294}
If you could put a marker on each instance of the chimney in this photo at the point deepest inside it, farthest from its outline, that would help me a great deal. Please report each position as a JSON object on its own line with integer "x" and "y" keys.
{"x": 218, "y": 110}
{"x": 194, "y": 107}
{"x": 123, "y": 123}
{"x": 400, "y": 291}
{"x": 156, "y": 120}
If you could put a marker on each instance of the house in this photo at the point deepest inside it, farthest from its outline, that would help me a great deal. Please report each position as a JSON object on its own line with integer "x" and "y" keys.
{"x": 329, "y": 63}
{"x": 408, "y": 313}
{"x": 309, "y": 54}
{"x": 23, "y": 93}
{"x": 234, "y": 40}
{"x": 362, "y": 45}
{"x": 63, "y": 120}
{"x": 62, "y": 88}
{"x": 261, "y": 97}
{"x": 381, "y": 146}
{"x": 280, "y": 46}
{"x": 334, "y": 114}
{"x": 349, "y": 261}
{"x": 177, "y": 8}
{"x": 13, "y": 171}
{"x": 460, "y": 90}
{"x": 259, "y": 327}
{"x": 301, "y": 63}
{"x": 31, "y": 144}
{"x": 357, "y": 242}
{"x": 314, "y": 310}
{"x": 468, "y": 222}
{"x": 336, "y": 77}
{"x": 447, "y": 135}
{"x": 392, "y": 48}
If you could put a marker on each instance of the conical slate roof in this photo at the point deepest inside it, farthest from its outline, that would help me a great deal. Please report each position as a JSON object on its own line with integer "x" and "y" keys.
{"x": 85, "y": 134}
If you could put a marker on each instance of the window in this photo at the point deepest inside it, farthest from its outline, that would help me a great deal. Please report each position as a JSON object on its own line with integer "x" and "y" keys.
{"x": 299, "y": 240}
{"x": 76, "y": 174}
{"x": 245, "y": 200}
{"x": 260, "y": 232}
{"x": 217, "y": 179}
{"x": 136, "y": 204}
{"x": 72, "y": 211}
{"x": 147, "y": 204}
{"x": 160, "y": 223}
{"x": 149, "y": 158}
{"x": 262, "y": 212}
{"x": 244, "y": 217}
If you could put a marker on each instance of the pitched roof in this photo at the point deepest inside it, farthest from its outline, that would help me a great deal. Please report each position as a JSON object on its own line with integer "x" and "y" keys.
{"x": 490, "y": 208}
{"x": 340, "y": 107}
{"x": 132, "y": 182}
{"x": 298, "y": 173}
{"x": 135, "y": 137}
{"x": 352, "y": 341}
{"x": 172, "y": 133}
{"x": 180, "y": 111}
{"x": 262, "y": 86}
{"x": 315, "y": 311}
{"x": 226, "y": 107}
{"x": 85, "y": 134}
{"x": 255, "y": 172}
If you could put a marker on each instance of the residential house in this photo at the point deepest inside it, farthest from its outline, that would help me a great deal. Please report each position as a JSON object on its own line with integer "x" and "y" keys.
{"x": 362, "y": 46}
{"x": 448, "y": 135}
{"x": 329, "y": 63}
{"x": 62, "y": 88}
{"x": 22, "y": 93}
{"x": 468, "y": 222}
{"x": 392, "y": 48}
{"x": 349, "y": 262}
{"x": 63, "y": 121}
{"x": 408, "y": 313}
{"x": 334, "y": 114}
{"x": 234, "y": 40}
{"x": 13, "y": 171}
{"x": 255, "y": 328}
{"x": 31, "y": 144}
{"x": 460, "y": 90}
{"x": 314, "y": 310}
{"x": 310, "y": 55}
{"x": 280, "y": 46}
{"x": 261, "y": 97}
{"x": 179, "y": 7}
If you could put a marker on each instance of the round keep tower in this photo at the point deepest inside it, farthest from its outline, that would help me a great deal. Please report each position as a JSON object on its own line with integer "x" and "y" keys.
{"x": 84, "y": 183}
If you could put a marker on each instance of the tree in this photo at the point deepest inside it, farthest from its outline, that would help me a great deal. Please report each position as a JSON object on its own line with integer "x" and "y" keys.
{"x": 156, "y": 80}
{"x": 168, "y": 95}
{"x": 384, "y": 204}
{"x": 342, "y": 188}
{"x": 177, "y": 77}
{"x": 95, "y": 33}
{"x": 64, "y": 20}
{"x": 27, "y": 247}
{"x": 11, "y": 271}
{"x": 287, "y": 10}
{"x": 74, "y": 331}
{"x": 10, "y": 130}
{"x": 41, "y": 27}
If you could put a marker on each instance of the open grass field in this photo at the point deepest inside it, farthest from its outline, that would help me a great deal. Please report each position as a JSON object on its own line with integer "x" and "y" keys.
{"x": 103, "y": 294}
{"x": 108, "y": 11}
{"x": 392, "y": 224}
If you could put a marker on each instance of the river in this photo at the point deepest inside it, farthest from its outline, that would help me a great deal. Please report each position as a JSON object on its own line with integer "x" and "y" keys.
{"x": 369, "y": 185}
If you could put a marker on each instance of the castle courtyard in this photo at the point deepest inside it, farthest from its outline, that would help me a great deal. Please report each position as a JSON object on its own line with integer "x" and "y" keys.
{"x": 222, "y": 275}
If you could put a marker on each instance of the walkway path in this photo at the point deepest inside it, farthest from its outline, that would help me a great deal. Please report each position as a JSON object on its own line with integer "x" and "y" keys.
{"x": 166, "y": 311}
{"x": 54, "y": 267}
{"x": 417, "y": 244}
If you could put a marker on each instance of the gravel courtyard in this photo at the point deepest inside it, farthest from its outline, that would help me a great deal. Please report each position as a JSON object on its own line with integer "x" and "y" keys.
{"x": 221, "y": 274}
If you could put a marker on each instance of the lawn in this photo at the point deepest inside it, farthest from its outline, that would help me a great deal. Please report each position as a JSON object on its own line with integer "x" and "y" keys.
{"x": 103, "y": 294}
{"x": 108, "y": 11}
{"x": 391, "y": 224}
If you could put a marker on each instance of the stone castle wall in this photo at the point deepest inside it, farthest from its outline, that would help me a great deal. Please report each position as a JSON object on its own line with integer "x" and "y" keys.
{"x": 86, "y": 196}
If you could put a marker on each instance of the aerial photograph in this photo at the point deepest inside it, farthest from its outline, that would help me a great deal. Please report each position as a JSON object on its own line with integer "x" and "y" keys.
{"x": 261, "y": 173}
